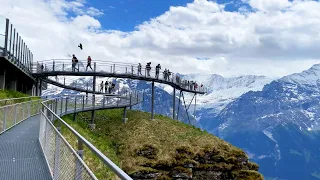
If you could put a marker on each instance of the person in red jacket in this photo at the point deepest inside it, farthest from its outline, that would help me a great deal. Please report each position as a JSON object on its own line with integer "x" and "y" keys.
{"x": 89, "y": 63}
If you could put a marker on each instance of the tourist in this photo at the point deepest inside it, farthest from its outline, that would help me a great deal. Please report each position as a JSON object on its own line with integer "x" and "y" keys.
{"x": 101, "y": 87}
{"x": 148, "y": 68}
{"x": 158, "y": 67}
{"x": 89, "y": 63}
{"x": 74, "y": 62}
{"x": 139, "y": 70}
{"x": 106, "y": 85}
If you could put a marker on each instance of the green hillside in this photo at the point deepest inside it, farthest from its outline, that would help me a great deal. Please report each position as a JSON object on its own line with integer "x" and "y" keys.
{"x": 159, "y": 149}
{"x": 8, "y": 94}
{"x": 5, "y": 94}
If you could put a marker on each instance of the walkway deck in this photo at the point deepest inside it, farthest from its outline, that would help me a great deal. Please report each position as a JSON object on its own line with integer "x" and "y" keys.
{"x": 21, "y": 156}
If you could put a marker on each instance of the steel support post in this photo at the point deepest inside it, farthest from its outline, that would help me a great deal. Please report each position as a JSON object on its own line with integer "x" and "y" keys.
{"x": 174, "y": 104}
{"x": 79, "y": 167}
{"x": 5, "y": 53}
{"x": 57, "y": 156}
{"x": 152, "y": 102}
{"x": 130, "y": 101}
{"x": 66, "y": 108}
{"x": 179, "y": 105}
{"x": 29, "y": 108}
{"x": 15, "y": 114}
{"x": 11, "y": 43}
{"x": 37, "y": 85}
{"x": 125, "y": 119}
{"x": 195, "y": 105}
{"x": 82, "y": 102}
{"x": 75, "y": 104}
{"x": 92, "y": 125}
{"x": 40, "y": 88}
{"x": 5, "y": 118}
{"x": 74, "y": 116}
{"x": 61, "y": 106}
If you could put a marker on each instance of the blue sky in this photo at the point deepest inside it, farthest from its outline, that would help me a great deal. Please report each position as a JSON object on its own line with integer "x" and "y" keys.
{"x": 201, "y": 38}
{"x": 124, "y": 15}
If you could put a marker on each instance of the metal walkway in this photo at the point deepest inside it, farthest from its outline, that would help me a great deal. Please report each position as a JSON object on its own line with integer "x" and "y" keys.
{"x": 25, "y": 155}
{"x": 21, "y": 156}
{"x": 117, "y": 70}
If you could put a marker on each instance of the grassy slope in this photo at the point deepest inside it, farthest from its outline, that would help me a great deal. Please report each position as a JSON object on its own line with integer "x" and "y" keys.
{"x": 173, "y": 144}
{"x": 5, "y": 94}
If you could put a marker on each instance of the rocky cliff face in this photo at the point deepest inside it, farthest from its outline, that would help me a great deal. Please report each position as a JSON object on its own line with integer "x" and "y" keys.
{"x": 208, "y": 164}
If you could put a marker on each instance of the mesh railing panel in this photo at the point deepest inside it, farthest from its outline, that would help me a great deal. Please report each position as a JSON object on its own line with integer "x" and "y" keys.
{"x": 11, "y": 115}
{"x": 63, "y": 161}
{"x": 5, "y": 102}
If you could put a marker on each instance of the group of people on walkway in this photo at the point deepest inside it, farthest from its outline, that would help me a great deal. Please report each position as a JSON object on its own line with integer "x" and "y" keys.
{"x": 108, "y": 87}
{"x": 75, "y": 62}
{"x": 166, "y": 72}
{"x": 191, "y": 85}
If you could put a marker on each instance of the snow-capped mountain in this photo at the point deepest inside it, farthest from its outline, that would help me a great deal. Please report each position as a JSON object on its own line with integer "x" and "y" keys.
{"x": 222, "y": 91}
{"x": 278, "y": 126}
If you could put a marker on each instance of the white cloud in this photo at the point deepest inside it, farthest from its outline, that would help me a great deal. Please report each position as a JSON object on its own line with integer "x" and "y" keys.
{"x": 94, "y": 12}
{"x": 269, "y": 5}
{"x": 276, "y": 40}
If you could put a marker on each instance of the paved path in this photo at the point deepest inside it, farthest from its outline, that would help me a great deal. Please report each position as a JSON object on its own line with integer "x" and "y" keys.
{"x": 21, "y": 157}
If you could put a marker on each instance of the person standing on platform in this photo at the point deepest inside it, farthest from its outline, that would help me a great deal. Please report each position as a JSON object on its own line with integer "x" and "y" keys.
{"x": 158, "y": 67}
{"x": 101, "y": 87}
{"x": 148, "y": 68}
{"x": 165, "y": 74}
{"x": 139, "y": 69}
{"x": 106, "y": 85}
{"x": 89, "y": 63}
{"x": 74, "y": 62}
{"x": 169, "y": 74}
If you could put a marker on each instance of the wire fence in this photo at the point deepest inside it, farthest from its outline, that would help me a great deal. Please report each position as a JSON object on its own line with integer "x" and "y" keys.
{"x": 125, "y": 69}
{"x": 4, "y": 102}
{"x": 15, "y": 113}
{"x": 63, "y": 161}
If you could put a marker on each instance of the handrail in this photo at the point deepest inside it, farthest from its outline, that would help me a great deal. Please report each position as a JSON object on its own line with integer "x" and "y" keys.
{"x": 21, "y": 111}
{"x": 70, "y": 147}
{"x": 118, "y": 69}
{"x": 13, "y": 114}
{"x": 119, "y": 172}
{"x": 59, "y": 108}
{"x": 14, "y": 99}
{"x": 75, "y": 88}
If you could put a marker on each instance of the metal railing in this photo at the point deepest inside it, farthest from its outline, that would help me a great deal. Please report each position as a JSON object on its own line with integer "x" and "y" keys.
{"x": 11, "y": 115}
{"x": 85, "y": 87}
{"x": 4, "y": 102}
{"x": 13, "y": 47}
{"x": 127, "y": 69}
{"x": 63, "y": 161}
